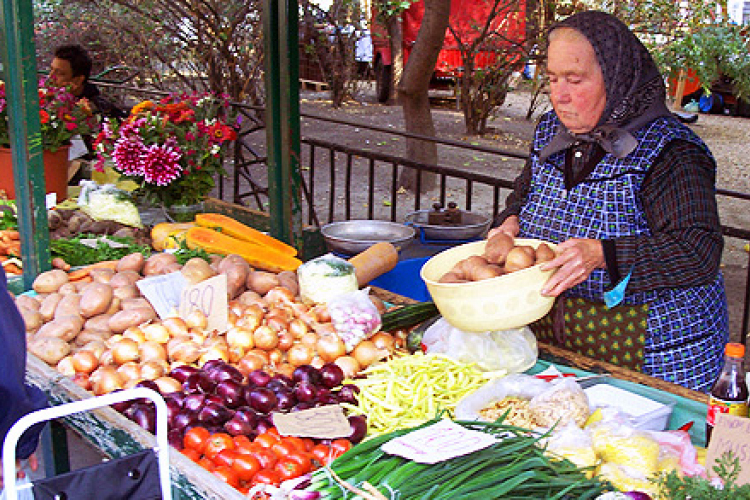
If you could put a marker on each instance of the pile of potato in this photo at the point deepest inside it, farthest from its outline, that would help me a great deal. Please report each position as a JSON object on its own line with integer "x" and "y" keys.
{"x": 100, "y": 330}
{"x": 501, "y": 256}
{"x": 66, "y": 223}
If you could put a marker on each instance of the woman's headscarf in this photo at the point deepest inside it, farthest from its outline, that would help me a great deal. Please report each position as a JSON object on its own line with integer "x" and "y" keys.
{"x": 635, "y": 89}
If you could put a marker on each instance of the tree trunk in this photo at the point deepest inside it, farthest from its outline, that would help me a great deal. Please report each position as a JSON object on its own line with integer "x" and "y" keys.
{"x": 396, "y": 41}
{"x": 413, "y": 91}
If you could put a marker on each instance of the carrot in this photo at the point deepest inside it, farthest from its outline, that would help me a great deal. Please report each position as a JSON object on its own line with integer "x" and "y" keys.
{"x": 79, "y": 274}
{"x": 12, "y": 269}
{"x": 59, "y": 263}
{"x": 11, "y": 234}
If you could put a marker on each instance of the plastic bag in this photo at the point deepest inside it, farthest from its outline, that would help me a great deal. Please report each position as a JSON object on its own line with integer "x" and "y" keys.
{"x": 519, "y": 386}
{"x": 562, "y": 402}
{"x": 324, "y": 277}
{"x": 575, "y": 444}
{"x": 107, "y": 202}
{"x": 513, "y": 351}
{"x": 354, "y": 317}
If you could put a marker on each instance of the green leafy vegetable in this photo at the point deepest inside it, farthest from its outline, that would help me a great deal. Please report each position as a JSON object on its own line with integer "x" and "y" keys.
{"x": 76, "y": 253}
{"x": 184, "y": 253}
{"x": 727, "y": 468}
{"x": 8, "y": 215}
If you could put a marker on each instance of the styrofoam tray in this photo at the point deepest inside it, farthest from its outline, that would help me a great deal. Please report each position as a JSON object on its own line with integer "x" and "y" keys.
{"x": 644, "y": 413}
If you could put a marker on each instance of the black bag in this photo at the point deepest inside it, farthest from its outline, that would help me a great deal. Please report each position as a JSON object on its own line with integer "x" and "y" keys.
{"x": 135, "y": 477}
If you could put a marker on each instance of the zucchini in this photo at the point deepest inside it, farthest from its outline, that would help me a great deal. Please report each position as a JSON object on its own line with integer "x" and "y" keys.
{"x": 408, "y": 315}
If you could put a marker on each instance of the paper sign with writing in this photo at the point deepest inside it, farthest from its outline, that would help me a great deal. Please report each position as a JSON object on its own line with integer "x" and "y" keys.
{"x": 438, "y": 442}
{"x": 163, "y": 292}
{"x": 323, "y": 422}
{"x": 209, "y": 297}
{"x": 730, "y": 434}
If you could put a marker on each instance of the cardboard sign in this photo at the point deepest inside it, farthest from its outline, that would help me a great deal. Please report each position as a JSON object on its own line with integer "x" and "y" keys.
{"x": 730, "y": 434}
{"x": 163, "y": 292}
{"x": 438, "y": 442}
{"x": 209, "y": 297}
{"x": 324, "y": 422}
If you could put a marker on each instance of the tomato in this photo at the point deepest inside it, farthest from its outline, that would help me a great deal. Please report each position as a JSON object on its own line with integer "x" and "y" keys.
{"x": 302, "y": 458}
{"x": 266, "y": 440}
{"x": 340, "y": 446}
{"x": 241, "y": 440}
{"x": 274, "y": 432}
{"x": 309, "y": 444}
{"x": 246, "y": 466}
{"x": 322, "y": 453}
{"x": 206, "y": 463}
{"x": 195, "y": 439}
{"x": 227, "y": 475}
{"x": 266, "y": 457}
{"x": 283, "y": 448}
{"x": 193, "y": 455}
{"x": 225, "y": 457}
{"x": 250, "y": 448}
{"x": 267, "y": 476}
{"x": 298, "y": 442}
{"x": 217, "y": 442}
{"x": 288, "y": 469}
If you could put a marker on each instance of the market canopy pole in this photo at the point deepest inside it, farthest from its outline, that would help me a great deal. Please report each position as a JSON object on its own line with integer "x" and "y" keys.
{"x": 282, "y": 118}
{"x": 22, "y": 95}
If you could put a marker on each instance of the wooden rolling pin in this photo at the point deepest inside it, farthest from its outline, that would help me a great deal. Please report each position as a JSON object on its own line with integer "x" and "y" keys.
{"x": 373, "y": 262}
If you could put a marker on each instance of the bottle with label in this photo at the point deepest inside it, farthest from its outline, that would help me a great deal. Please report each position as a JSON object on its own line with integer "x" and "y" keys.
{"x": 729, "y": 393}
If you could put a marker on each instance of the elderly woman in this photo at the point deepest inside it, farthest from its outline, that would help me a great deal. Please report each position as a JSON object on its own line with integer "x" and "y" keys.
{"x": 628, "y": 194}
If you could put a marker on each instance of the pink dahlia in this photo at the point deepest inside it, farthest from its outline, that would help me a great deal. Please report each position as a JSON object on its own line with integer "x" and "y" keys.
{"x": 128, "y": 154}
{"x": 161, "y": 164}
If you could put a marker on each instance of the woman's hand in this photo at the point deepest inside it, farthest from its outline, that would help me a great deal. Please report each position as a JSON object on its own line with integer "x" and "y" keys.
{"x": 576, "y": 259}
{"x": 509, "y": 227}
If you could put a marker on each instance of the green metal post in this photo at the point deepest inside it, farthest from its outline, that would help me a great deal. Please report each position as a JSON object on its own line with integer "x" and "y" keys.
{"x": 19, "y": 73}
{"x": 282, "y": 118}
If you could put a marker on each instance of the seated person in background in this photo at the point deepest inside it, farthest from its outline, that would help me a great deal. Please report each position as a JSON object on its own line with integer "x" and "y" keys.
{"x": 16, "y": 398}
{"x": 72, "y": 67}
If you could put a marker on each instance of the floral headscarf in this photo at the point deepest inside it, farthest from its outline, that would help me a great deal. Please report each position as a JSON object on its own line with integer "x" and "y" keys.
{"x": 635, "y": 89}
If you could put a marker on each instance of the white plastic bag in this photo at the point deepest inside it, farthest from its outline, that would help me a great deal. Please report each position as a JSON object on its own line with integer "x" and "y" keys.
{"x": 513, "y": 351}
{"x": 354, "y": 317}
{"x": 519, "y": 385}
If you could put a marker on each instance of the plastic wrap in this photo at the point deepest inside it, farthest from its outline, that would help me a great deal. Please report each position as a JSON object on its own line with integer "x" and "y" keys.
{"x": 323, "y": 278}
{"x": 562, "y": 402}
{"x": 107, "y": 202}
{"x": 512, "y": 351}
{"x": 354, "y": 317}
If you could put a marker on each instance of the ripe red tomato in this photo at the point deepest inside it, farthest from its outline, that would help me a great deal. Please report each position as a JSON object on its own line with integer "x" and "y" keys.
{"x": 267, "y": 476}
{"x": 207, "y": 464}
{"x": 322, "y": 453}
{"x": 225, "y": 457}
{"x": 193, "y": 455}
{"x": 266, "y": 440}
{"x": 250, "y": 448}
{"x": 195, "y": 439}
{"x": 227, "y": 475}
{"x": 340, "y": 446}
{"x": 309, "y": 444}
{"x": 288, "y": 469}
{"x": 266, "y": 457}
{"x": 246, "y": 466}
{"x": 302, "y": 458}
{"x": 297, "y": 442}
{"x": 241, "y": 440}
{"x": 283, "y": 448}
{"x": 217, "y": 442}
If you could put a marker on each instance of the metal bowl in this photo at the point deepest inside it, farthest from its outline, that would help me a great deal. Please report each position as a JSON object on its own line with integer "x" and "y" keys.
{"x": 474, "y": 226}
{"x": 354, "y": 236}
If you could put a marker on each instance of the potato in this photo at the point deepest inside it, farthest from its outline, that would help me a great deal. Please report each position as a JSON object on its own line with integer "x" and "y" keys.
{"x": 196, "y": 270}
{"x": 115, "y": 306}
{"x": 102, "y": 275}
{"x": 288, "y": 280}
{"x": 134, "y": 302}
{"x": 174, "y": 267}
{"x": 121, "y": 321}
{"x": 215, "y": 261}
{"x": 48, "y": 306}
{"x": 95, "y": 300}
{"x": 98, "y": 322}
{"x": 66, "y": 328}
{"x": 49, "y": 349}
{"x": 91, "y": 335}
{"x": 518, "y": 258}
{"x": 157, "y": 263}
{"x": 67, "y": 289}
{"x": 236, "y": 270}
{"x": 50, "y": 281}
{"x": 486, "y": 272}
{"x": 69, "y": 305}
{"x": 124, "y": 278}
{"x": 451, "y": 277}
{"x": 497, "y": 248}
{"x": 28, "y": 302}
{"x": 31, "y": 318}
{"x": 250, "y": 297}
{"x": 127, "y": 292}
{"x": 262, "y": 281}
{"x": 132, "y": 262}
{"x": 544, "y": 253}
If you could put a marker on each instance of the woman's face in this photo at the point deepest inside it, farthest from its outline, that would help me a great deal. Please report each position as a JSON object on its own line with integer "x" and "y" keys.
{"x": 576, "y": 83}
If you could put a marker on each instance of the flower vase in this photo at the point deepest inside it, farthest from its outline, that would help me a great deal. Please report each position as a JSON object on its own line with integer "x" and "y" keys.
{"x": 55, "y": 172}
{"x": 184, "y": 213}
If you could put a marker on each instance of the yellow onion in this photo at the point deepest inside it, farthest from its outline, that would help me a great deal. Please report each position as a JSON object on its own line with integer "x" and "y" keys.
{"x": 125, "y": 350}
{"x": 134, "y": 333}
{"x": 175, "y": 326}
{"x": 65, "y": 366}
{"x": 349, "y": 365}
{"x": 152, "y": 350}
{"x": 84, "y": 361}
{"x": 330, "y": 347}
{"x": 151, "y": 370}
{"x": 156, "y": 332}
{"x": 168, "y": 384}
{"x": 196, "y": 319}
{"x": 240, "y": 337}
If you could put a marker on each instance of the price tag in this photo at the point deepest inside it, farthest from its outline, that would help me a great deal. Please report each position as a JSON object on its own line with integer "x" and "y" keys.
{"x": 438, "y": 442}
{"x": 163, "y": 292}
{"x": 324, "y": 422}
{"x": 210, "y": 298}
{"x": 730, "y": 433}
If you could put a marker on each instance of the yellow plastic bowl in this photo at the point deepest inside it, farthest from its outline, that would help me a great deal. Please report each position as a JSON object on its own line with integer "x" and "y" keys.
{"x": 503, "y": 303}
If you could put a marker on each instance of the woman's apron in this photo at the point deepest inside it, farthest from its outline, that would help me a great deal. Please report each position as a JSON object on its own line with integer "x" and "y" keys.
{"x": 676, "y": 334}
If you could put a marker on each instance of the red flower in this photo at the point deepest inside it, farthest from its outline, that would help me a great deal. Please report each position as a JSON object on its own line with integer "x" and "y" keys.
{"x": 43, "y": 116}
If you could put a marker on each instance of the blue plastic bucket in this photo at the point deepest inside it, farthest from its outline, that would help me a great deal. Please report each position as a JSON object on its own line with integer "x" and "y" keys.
{"x": 404, "y": 279}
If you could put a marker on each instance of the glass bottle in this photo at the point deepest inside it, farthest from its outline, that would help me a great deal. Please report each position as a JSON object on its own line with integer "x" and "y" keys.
{"x": 729, "y": 393}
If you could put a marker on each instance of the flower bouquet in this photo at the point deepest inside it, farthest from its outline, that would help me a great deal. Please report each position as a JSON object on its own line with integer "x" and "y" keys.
{"x": 171, "y": 149}
{"x": 62, "y": 116}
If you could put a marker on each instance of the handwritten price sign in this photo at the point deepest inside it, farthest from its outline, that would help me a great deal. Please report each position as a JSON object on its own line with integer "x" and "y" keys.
{"x": 210, "y": 298}
{"x": 438, "y": 442}
{"x": 324, "y": 422}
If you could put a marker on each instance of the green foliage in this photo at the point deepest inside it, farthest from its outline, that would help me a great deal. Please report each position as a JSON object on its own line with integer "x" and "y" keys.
{"x": 727, "y": 468}
{"x": 8, "y": 215}
{"x": 78, "y": 253}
